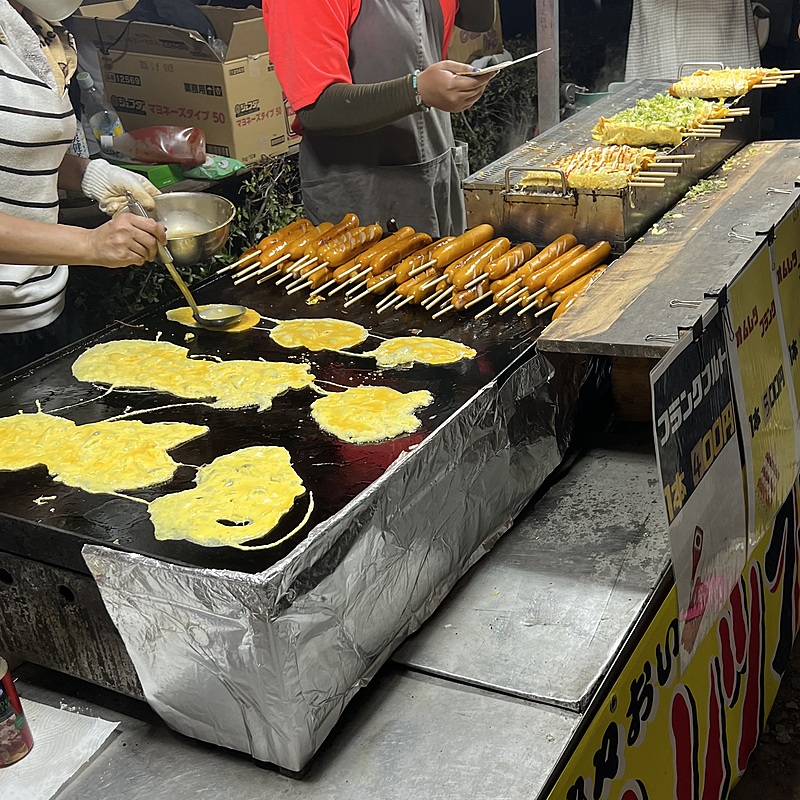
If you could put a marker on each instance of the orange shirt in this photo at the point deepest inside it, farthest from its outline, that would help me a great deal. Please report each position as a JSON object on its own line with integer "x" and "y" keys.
{"x": 310, "y": 47}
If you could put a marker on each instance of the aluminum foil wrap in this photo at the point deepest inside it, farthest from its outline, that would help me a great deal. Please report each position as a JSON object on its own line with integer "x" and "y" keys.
{"x": 265, "y": 663}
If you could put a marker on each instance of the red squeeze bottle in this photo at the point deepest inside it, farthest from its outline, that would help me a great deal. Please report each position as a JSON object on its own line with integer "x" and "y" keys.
{"x": 160, "y": 144}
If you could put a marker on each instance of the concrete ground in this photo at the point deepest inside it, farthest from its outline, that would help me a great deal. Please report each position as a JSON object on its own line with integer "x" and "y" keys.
{"x": 774, "y": 769}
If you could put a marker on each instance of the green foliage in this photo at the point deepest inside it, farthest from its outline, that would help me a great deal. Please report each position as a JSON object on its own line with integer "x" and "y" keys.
{"x": 505, "y": 116}
{"x": 267, "y": 198}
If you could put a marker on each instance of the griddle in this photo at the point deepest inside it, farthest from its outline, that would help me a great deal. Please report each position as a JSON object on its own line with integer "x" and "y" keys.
{"x": 336, "y": 472}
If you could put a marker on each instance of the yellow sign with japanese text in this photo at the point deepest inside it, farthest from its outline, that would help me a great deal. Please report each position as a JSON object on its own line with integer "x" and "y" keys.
{"x": 763, "y": 393}
{"x": 663, "y": 735}
{"x": 786, "y": 278}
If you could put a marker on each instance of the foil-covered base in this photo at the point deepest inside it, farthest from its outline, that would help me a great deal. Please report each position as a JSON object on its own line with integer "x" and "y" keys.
{"x": 266, "y": 663}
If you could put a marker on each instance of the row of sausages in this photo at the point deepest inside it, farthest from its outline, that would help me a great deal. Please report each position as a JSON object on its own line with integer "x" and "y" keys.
{"x": 450, "y": 274}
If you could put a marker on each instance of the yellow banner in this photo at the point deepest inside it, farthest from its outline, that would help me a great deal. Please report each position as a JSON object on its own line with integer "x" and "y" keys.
{"x": 664, "y": 736}
{"x": 763, "y": 393}
{"x": 786, "y": 275}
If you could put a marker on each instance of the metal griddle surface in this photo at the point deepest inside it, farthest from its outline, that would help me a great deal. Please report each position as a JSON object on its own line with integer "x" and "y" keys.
{"x": 336, "y": 472}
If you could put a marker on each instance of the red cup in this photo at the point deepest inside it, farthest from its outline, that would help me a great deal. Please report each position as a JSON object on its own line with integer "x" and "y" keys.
{"x": 16, "y": 740}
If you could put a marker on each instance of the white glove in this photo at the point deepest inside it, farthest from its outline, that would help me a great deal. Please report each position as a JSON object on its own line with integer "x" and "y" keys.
{"x": 107, "y": 183}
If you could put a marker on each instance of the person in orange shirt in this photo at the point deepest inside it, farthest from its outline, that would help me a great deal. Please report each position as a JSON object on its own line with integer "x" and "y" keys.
{"x": 373, "y": 96}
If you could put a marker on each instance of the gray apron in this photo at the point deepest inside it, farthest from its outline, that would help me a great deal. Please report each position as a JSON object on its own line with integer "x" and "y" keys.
{"x": 409, "y": 170}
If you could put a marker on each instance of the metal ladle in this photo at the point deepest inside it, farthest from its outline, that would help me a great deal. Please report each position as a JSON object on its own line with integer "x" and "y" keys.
{"x": 219, "y": 315}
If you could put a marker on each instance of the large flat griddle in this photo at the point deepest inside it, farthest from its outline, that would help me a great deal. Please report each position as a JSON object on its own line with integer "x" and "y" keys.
{"x": 336, "y": 472}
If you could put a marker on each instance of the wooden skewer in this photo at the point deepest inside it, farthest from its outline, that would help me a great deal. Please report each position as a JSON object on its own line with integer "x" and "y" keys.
{"x": 477, "y": 300}
{"x": 354, "y": 268}
{"x": 708, "y": 126}
{"x": 724, "y": 120}
{"x": 529, "y": 306}
{"x": 646, "y": 179}
{"x": 352, "y": 279}
{"x": 514, "y": 296}
{"x": 703, "y": 134}
{"x": 676, "y": 156}
{"x": 475, "y": 281}
{"x": 404, "y": 302}
{"x": 242, "y": 273}
{"x": 431, "y": 301}
{"x": 649, "y": 184}
{"x": 321, "y": 289}
{"x": 738, "y": 112}
{"x": 511, "y": 306}
{"x": 371, "y": 290}
{"x": 767, "y": 85}
{"x": 243, "y": 261}
{"x": 388, "y": 300}
{"x": 443, "y": 311}
{"x": 773, "y": 80}
{"x": 267, "y": 277}
{"x": 486, "y": 310}
{"x": 421, "y": 268}
{"x": 542, "y": 311}
{"x": 649, "y": 174}
{"x": 357, "y": 288}
{"x": 259, "y": 271}
{"x": 304, "y": 285}
{"x": 444, "y": 298}
{"x": 305, "y": 278}
{"x": 304, "y": 261}
{"x": 508, "y": 288}
{"x": 666, "y": 164}
{"x": 387, "y": 306}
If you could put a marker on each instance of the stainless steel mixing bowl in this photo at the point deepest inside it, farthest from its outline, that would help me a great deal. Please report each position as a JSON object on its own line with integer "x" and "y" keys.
{"x": 198, "y": 224}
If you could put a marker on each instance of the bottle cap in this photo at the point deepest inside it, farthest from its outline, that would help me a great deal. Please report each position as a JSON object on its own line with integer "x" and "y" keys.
{"x": 106, "y": 142}
{"x": 84, "y": 80}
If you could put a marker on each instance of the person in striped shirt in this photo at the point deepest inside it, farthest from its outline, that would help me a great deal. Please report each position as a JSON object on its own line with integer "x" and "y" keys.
{"x": 37, "y": 126}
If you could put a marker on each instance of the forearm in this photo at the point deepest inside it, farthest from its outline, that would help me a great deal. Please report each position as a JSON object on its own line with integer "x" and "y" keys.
{"x": 346, "y": 109}
{"x": 71, "y": 172}
{"x": 475, "y": 15}
{"x": 23, "y": 241}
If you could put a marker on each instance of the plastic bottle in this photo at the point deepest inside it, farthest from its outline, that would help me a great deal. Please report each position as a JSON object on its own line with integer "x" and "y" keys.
{"x": 160, "y": 144}
{"x": 102, "y": 117}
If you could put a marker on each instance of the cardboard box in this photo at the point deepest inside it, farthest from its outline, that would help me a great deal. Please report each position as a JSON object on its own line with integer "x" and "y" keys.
{"x": 466, "y": 46}
{"x": 162, "y": 75}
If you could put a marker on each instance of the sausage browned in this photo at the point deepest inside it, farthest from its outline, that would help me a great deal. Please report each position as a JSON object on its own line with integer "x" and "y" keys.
{"x": 586, "y": 262}
{"x": 349, "y": 222}
{"x": 462, "y": 276}
{"x": 347, "y": 246}
{"x": 538, "y": 279}
{"x": 298, "y": 246}
{"x": 402, "y": 249}
{"x": 579, "y": 285}
{"x": 464, "y": 244}
{"x": 510, "y": 261}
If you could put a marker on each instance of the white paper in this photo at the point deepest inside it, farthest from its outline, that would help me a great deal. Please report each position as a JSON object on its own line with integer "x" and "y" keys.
{"x": 63, "y": 742}
{"x": 503, "y": 64}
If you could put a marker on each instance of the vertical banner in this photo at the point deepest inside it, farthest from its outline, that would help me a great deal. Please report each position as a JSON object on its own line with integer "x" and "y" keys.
{"x": 786, "y": 285}
{"x": 697, "y": 450}
{"x": 763, "y": 393}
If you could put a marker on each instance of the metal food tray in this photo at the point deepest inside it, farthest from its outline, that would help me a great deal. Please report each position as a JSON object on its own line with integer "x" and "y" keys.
{"x": 619, "y": 216}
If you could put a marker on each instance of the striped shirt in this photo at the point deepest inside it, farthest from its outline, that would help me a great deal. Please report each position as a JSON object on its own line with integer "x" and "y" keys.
{"x": 37, "y": 125}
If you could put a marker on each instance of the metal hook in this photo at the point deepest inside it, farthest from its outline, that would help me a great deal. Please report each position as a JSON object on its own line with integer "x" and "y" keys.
{"x": 661, "y": 337}
{"x": 685, "y": 303}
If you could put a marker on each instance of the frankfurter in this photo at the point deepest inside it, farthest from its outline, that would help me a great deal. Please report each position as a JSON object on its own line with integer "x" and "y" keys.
{"x": 419, "y": 258}
{"x": 508, "y": 262}
{"x": 464, "y": 244}
{"x": 349, "y": 245}
{"x": 460, "y": 299}
{"x": 393, "y": 255}
{"x": 365, "y": 258}
{"x": 349, "y": 222}
{"x": 462, "y": 276}
{"x": 286, "y": 246}
{"x": 286, "y": 233}
{"x": 578, "y": 267}
{"x": 555, "y": 249}
{"x": 538, "y": 279}
{"x": 578, "y": 286}
{"x": 466, "y": 260}
{"x": 298, "y": 246}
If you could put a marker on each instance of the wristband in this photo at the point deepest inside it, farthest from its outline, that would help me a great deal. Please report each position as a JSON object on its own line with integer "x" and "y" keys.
{"x": 417, "y": 95}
